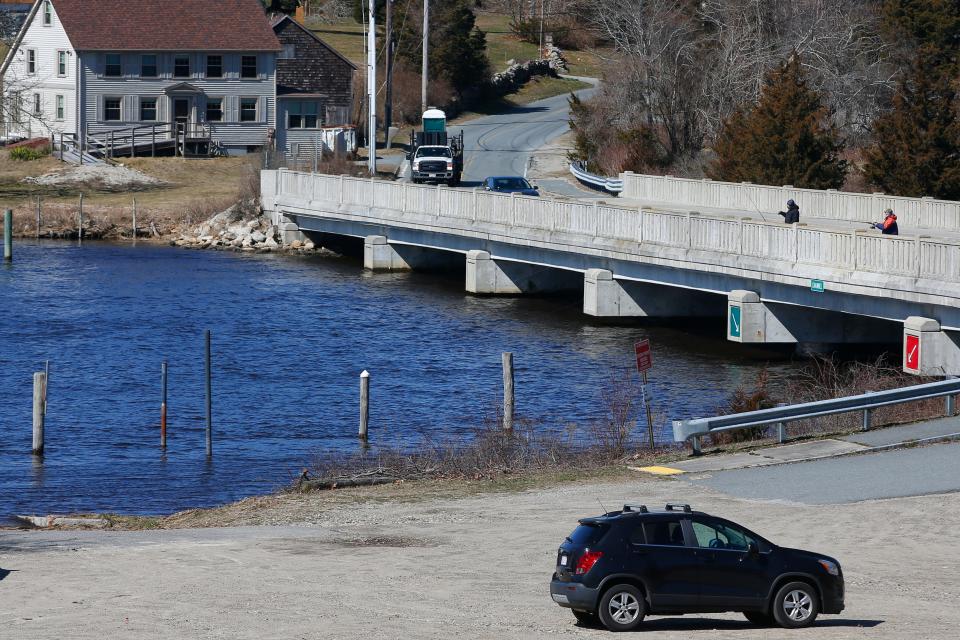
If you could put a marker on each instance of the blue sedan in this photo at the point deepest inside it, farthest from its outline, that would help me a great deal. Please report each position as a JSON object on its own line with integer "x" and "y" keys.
{"x": 510, "y": 184}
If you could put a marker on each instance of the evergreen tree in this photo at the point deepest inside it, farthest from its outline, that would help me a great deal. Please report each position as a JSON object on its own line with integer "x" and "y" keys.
{"x": 458, "y": 49}
{"x": 931, "y": 25}
{"x": 786, "y": 138}
{"x": 281, "y": 6}
{"x": 917, "y": 144}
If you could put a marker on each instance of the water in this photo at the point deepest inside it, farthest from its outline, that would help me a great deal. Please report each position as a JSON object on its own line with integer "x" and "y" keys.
{"x": 290, "y": 338}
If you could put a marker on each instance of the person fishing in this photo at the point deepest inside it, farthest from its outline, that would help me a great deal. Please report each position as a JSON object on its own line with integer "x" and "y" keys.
{"x": 792, "y": 214}
{"x": 889, "y": 225}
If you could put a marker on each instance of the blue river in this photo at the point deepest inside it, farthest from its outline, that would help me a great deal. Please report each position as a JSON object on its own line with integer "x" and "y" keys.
{"x": 291, "y": 335}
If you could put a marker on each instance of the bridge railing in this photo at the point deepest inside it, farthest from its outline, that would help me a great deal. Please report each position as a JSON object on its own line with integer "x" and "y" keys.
{"x": 848, "y": 251}
{"x": 693, "y": 430}
{"x": 926, "y": 213}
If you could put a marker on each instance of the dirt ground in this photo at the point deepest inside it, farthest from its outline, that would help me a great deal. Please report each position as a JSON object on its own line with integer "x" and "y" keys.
{"x": 470, "y": 566}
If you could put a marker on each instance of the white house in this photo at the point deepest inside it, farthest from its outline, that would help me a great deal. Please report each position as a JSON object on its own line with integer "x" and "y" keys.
{"x": 96, "y": 66}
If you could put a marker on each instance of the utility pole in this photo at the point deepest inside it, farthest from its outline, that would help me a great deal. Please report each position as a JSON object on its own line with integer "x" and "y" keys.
{"x": 426, "y": 55}
{"x": 388, "y": 98}
{"x": 372, "y": 89}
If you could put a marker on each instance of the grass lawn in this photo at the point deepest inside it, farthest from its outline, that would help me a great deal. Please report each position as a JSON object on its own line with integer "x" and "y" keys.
{"x": 502, "y": 46}
{"x": 189, "y": 183}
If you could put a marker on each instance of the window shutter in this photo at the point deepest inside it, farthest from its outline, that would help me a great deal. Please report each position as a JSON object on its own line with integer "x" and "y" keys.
{"x": 262, "y": 110}
{"x": 234, "y": 102}
{"x": 135, "y": 108}
{"x": 201, "y": 108}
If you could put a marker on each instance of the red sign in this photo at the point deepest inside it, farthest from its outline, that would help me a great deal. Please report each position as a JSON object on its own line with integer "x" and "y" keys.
{"x": 644, "y": 357}
{"x": 911, "y": 352}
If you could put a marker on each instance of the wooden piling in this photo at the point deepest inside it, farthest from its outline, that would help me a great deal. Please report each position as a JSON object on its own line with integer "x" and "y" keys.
{"x": 80, "y": 219}
{"x": 39, "y": 410}
{"x": 364, "y": 404}
{"x": 209, "y": 397}
{"x": 38, "y": 217}
{"x": 163, "y": 405}
{"x": 508, "y": 390}
{"x": 134, "y": 218}
{"x": 8, "y": 235}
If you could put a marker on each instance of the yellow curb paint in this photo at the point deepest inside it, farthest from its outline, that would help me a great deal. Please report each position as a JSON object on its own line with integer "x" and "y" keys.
{"x": 661, "y": 471}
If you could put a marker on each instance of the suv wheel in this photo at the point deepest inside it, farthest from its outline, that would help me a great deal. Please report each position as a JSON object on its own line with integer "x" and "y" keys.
{"x": 796, "y": 605}
{"x": 622, "y": 608}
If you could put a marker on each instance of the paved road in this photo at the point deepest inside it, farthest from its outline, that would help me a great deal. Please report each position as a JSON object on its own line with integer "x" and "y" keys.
{"x": 888, "y": 474}
{"x": 501, "y": 144}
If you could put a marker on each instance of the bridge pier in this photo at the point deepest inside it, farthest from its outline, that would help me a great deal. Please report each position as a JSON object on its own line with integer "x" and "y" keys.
{"x": 928, "y": 350}
{"x": 380, "y": 255}
{"x": 752, "y": 321}
{"x": 606, "y": 297}
{"x": 492, "y": 276}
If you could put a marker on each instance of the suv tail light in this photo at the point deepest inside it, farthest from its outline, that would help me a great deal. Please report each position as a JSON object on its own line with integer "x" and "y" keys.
{"x": 587, "y": 560}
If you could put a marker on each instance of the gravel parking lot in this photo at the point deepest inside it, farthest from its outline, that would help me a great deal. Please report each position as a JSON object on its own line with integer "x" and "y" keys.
{"x": 472, "y": 567}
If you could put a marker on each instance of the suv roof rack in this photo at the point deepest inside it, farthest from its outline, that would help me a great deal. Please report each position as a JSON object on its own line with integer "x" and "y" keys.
{"x": 674, "y": 506}
{"x": 636, "y": 508}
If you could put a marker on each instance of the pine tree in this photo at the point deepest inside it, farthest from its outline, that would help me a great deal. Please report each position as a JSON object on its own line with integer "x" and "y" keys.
{"x": 458, "y": 49}
{"x": 916, "y": 149}
{"x": 932, "y": 25}
{"x": 786, "y": 138}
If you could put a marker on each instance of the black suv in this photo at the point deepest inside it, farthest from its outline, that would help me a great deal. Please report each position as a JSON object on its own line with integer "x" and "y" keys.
{"x": 624, "y": 565}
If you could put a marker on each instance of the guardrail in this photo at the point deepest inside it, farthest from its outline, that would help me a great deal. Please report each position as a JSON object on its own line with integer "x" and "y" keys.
{"x": 928, "y": 261}
{"x": 925, "y": 213}
{"x": 610, "y": 185}
{"x": 693, "y": 430}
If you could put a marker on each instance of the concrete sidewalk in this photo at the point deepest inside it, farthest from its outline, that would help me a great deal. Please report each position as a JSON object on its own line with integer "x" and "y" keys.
{"x": 891, "y": 437}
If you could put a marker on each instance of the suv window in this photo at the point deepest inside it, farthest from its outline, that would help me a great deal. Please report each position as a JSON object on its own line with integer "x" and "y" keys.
{"x": 588, "y": 534}
{"x": 719, "y": 535}
{"x": 664, "y": 532}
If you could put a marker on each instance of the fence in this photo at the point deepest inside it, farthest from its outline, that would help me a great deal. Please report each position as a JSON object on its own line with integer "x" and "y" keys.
{"x": 857, "y": 250}
{"x": 693, "y": 430}
{"x": 924, "y": 213}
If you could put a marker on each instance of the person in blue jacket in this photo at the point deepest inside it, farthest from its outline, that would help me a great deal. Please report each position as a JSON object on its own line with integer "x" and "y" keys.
{"x": 792, "y": 214}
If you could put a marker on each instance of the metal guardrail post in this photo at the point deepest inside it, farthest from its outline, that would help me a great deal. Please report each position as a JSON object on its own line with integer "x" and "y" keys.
{"x": 951, "y": 406}
{"x": 782, "y": 427}
{"x": 866, "y": 420}
{"x": 695, "y": 443}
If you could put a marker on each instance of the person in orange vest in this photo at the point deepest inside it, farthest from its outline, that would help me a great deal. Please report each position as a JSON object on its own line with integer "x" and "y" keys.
{"x": 889, "y": 225}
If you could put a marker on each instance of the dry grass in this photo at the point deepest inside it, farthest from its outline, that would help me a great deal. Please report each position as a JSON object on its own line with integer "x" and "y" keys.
{"x": 193, "y": 190}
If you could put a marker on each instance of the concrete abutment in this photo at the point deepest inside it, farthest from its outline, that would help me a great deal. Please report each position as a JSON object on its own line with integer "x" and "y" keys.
{"x": 928, "y": 350}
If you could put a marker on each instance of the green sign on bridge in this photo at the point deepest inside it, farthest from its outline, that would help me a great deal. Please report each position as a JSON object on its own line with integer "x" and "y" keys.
{"x": 735, "y": 324}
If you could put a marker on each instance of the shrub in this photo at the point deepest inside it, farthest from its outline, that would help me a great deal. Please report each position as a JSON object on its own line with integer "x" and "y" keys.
{"x": 28, "y": 153}
{"x": 742, "y": 401}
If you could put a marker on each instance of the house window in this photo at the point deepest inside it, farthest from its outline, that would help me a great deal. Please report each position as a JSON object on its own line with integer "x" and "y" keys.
{"x": 31, "y": 61}
{"x": 248, "y": 109}
{"x": 16, "y": 107}
{"x": 113, "y": 67}
{"x": 61, "y": 63}
{"x": 148, "y": 109}
{"x": 148, "y": 66}
{"x": 289, "y": 52}
{"x": 248, "y": 67}
{"x": 61, "y": 108}
{"x": 47, "y": 13}
{"x": 111, "y": 109}
{"x": 214, "y": 66}
{"x": 37, "y": 107}
{"x": 302, "y": 115}
{"x": 181, "y": 66}
{"x": 214, "y": 109}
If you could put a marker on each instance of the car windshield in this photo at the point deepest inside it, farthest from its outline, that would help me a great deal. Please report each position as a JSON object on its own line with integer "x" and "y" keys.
{"x": 510, "y": 183}
{"x": 433, "y": 152}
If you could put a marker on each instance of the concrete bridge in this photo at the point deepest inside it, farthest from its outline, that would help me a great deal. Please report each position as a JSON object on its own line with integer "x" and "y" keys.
{"x": 768, "y": 282}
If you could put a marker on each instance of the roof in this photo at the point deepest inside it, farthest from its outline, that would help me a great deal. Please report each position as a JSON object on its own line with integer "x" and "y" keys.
{"x": 166, "y": 25}
{"x": 277, "y": 20}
